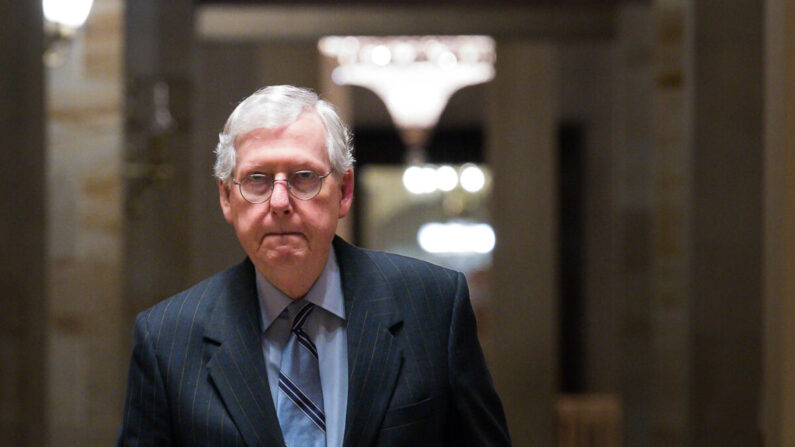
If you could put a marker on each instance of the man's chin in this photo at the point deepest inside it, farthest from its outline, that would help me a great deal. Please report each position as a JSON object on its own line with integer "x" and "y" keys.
{"x": 284, "y": 255}
{"x": 283, "y": 243}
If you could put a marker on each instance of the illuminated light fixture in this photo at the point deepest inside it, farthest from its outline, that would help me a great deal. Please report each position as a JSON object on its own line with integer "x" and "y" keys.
{"x": 446, "y": 178}
{"x": 428, "y": 179}
{"x": 456, "y": 238}
{"x": 414, "y": 75}
{"x": 69, "y": 13}
{"x": 472, "y": 178}
{"x": 425, "y": 180}
{"x": 419, "y": 180}
{"x": 62, "y": 20}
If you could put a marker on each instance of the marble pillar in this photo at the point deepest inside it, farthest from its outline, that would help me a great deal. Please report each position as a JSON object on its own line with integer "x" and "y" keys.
{"x": 22, "y": 219}
{"x": 521, "y": 151}
{"x": 157, "y": 168}
{"x": 727, "y": 203}
{"x": 85, "y": 330}
{"x": 671, "y": 232}
{"x": 778, "y": 419}
{"x": 632, "y": 118}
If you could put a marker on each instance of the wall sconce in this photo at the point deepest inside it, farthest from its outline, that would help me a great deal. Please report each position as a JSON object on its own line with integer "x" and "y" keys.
{"x": 413, "y": 75}
{"x": 62, "y": 20}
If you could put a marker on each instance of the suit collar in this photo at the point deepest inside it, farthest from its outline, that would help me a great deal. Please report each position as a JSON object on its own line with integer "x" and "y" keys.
{"x": 325, "y": 293}
{"x": 365, "y": 286}
{"x": 236, "y": 363}
{"x": 374, "y": 355}
{"x": 238, "y": 369}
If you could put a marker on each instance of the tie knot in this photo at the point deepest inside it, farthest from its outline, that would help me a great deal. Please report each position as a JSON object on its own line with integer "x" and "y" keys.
{"x": 300, "y": 311}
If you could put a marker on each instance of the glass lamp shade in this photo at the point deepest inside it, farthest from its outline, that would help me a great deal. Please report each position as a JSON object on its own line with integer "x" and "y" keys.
{"x": 69, "y": 13}
{"x": 415, "y": 95}
{"x": 413, "y": 75}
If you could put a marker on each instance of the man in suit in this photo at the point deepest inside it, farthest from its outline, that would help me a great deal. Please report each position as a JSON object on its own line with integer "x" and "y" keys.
{"x": 310, "y": 340}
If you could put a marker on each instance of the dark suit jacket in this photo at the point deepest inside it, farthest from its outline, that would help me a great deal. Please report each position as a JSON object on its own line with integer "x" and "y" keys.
{"x": 417, "y": 376}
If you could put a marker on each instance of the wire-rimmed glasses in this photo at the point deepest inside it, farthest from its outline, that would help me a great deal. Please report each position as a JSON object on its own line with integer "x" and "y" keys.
{"x": 303, "y": 185}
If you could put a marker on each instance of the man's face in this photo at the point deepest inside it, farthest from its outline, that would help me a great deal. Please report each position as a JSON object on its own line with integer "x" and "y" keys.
{"x": 284, "y": 235}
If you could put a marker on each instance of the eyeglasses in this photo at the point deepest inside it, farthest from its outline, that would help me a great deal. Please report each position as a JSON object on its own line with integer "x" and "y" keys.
{"x": 303, "y": 185}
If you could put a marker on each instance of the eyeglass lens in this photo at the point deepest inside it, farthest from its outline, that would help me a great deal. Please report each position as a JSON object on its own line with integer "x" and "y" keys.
{"x": 303, "y": 185}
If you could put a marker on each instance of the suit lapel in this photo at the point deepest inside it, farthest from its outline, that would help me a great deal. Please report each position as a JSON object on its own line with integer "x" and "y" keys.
{"x": 237, "y": 366}
{"x": 374, "y": 356}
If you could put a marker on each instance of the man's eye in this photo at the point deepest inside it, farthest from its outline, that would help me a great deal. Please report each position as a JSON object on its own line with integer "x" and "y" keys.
{"x": 304, "y": 175}
{"x": 258, "y": 178}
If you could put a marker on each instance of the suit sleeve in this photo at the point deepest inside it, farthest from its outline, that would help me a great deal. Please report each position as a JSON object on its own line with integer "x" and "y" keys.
{"x": 146, "y": 414}
{"x": 477, "y": 417}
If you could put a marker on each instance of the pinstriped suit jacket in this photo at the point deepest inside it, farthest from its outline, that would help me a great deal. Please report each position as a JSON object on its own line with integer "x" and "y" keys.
{"x": 417, "y": 376}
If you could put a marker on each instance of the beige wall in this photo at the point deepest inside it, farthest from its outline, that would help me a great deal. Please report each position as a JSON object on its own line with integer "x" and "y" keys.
{"x": 86, "y": 362}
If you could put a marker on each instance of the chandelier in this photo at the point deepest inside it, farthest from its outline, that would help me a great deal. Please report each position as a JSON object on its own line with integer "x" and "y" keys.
{"x": 414, "y": 76}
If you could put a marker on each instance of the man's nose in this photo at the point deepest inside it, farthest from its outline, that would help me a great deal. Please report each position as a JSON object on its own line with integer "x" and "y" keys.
{"x": 280, "y": 198}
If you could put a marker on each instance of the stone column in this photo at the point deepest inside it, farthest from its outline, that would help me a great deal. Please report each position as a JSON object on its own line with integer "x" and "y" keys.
{"x": 671, "y": 232}
{"x": 727, "y": 168}
{"x": 632, "y": 185}
{"x": 86, "y": 369}
{"x": 158, "y": 173}
{"x": 778, "y": 420}
{"x": 22, "y": 226}
{"x": 521, "y": 151}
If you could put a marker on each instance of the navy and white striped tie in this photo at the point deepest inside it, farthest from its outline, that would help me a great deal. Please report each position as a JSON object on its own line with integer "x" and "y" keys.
{"x": 300, "y": 400}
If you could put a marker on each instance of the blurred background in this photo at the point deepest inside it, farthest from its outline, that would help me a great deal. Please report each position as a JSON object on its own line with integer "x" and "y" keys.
{"x": 615, "y": 177}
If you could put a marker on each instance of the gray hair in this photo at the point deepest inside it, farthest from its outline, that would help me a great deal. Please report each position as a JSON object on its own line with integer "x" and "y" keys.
{"x": 278, "y": 106}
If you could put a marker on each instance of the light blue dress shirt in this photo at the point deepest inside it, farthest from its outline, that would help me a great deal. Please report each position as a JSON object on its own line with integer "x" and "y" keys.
{"x": 326, "y": 327}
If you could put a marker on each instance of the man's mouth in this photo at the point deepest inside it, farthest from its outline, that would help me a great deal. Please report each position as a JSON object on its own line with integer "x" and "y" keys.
{"x": 284, "y": 234}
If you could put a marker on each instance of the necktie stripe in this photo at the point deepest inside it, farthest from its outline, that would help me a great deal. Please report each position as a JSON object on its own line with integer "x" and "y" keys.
{"x": 300, "y": 395}
{"x": 302, "y": 315}
{"x": 306, "y": 342}
{"x": 302, "y": 401}
{"x": 288, "y": 385}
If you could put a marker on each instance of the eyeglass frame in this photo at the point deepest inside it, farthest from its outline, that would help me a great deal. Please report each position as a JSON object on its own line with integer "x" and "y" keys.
{"x": 286, "y": 184}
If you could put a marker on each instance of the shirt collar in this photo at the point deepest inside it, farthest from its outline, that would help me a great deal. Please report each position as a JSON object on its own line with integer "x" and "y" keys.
{"x": 326, "y": 293}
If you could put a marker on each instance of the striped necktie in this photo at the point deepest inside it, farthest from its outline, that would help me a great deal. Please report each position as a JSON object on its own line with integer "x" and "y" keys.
{"x": 300, "y": 399}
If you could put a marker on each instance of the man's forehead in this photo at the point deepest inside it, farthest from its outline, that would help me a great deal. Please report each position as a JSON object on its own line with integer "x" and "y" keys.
{"x": 299, "y": 149}
{"x": 258, "y": 134}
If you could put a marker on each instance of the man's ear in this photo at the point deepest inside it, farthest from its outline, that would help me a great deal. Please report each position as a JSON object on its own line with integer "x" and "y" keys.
{"x": 226, "y": 204}
{"x": 346, "y": 196}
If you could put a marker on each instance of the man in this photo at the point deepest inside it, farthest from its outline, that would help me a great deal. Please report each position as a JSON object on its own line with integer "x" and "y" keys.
{"x": 310, "y": 341}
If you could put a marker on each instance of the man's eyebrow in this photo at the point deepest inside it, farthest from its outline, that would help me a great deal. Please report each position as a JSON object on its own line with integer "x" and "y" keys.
{"x": 300, "y": 166}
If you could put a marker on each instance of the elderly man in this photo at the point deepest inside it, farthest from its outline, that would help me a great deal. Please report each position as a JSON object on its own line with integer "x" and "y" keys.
{"x": 310, "y": 341}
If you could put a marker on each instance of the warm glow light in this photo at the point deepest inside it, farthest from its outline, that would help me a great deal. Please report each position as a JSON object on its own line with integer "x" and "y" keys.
{"x": 472, "y": 178}
{"x": 419, "y": 180}
{"x": 428, "y": 179}
{"x": 381, "y": 55}
{"x": 414, "y": 76}
{"x": 446, "y": 178}
{"x": 456, "y": 238}
{"x": 71, "y": 13}
{"x": 447, "y": 60}
{"x": 415, "y": 97}
{"x": 412, "y": 179}
{"x": 404, "y": 53}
